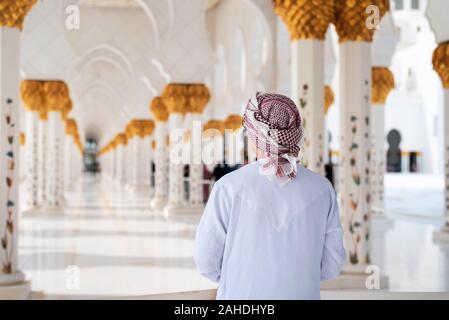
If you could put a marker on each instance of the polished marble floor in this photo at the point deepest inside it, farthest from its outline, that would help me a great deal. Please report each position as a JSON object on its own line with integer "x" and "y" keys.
{"x": 108, "y": 243}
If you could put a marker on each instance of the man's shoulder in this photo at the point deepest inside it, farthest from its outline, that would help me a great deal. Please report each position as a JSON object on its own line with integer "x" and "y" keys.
{"x": 313, "y": 176}
{"x": 238, "y": 176}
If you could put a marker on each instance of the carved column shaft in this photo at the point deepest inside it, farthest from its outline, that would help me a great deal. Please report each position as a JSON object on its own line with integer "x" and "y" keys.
{"x": 199, "y": 96}
{"x": 42, "y": 156}
{"x": 31, "y": 158}
{"x": 12, "y": 15}
{"x": 56, "y": 97}
{"x": 233, "y": 140}
{"x": 382, "y": 84}
{"x": 440, "y": 62}
{"x": 9, "y": 154}
{"x": 355, "y": 93}
{"x": 307, "y": 22}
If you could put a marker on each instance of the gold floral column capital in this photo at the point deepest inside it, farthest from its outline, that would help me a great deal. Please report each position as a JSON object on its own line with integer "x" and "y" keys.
{"x": 67, "y": 108}
{"x": 32, "y": 94}
{"x": 328, "y": 98}
{"x": 305, "y": 19}
{"x": 121, "y": 139}
{"x": 56, "y": 95}
{"x": 440, "y": 61}
{"x": 233, "y": 122}
{"x": 175, "y": 97}
{"x": 43, "y": 114}
{"x": 214, "y": 128}
{"x": 381, "y": 85}
{"x": 351, "y": 19}
{"x": 140, "y": 128}
{"x": 13, "y": 12}
{"x": 71, "y": 127}
{"x": 199, "y": 96}
{"x": 129, "y": 130}
{"x": 159, "y": 109}
{"x": 147, "y": 128}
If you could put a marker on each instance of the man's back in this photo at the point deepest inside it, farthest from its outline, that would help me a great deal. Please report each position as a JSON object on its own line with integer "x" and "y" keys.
{"x": 263, "y": 241}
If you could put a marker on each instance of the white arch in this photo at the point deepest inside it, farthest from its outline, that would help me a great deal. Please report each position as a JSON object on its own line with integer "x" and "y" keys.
{"x": 107, "y": 60}
{"x": 153, "y": 21}
{"x": 108, "y": 48}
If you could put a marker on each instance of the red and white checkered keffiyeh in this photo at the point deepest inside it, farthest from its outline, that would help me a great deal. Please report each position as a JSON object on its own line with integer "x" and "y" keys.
{"x": 274, "y": 125}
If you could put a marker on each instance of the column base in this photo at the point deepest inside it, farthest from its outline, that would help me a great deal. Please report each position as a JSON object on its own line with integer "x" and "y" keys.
{"x": 182, "y": 213}
{"x": 158, "y": 204}
{"x": 353, "y": 281}
{"x": 29, "y": 211}
{"x": 52, "y": 210}
{"x": 441, "y": 236}
{"x": 141, "y": 189}
{"x": 14, "y": 287}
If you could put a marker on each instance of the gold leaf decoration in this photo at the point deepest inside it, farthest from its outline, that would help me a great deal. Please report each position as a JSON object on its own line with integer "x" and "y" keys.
{"x": 13, "y": 12}
{"x": 440, "y": 61}
{"x": 56, "y": 95}
{"x": 233, "y": 122}
{"x": 159, "y": 109}
{"x": 32, "y": 94}
{"x": 381, "y": 85}
{"x": 305, "y": 19}
{"x": 328, "y": 98}
{"x": 351, "y": 19}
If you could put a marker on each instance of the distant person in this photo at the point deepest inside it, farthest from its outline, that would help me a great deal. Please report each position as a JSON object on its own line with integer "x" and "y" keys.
{"x": 221, "y": 170}
{"x": 271, "y": 229}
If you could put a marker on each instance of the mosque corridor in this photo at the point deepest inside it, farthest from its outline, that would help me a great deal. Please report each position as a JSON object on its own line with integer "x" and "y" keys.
{"x": 120, "y": 247}
{"x": 110, "y": 240}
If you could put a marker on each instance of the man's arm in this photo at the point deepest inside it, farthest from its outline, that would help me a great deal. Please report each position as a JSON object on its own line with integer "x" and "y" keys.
{"x": 211, "y": 235}
{"x": 334, "y": 254}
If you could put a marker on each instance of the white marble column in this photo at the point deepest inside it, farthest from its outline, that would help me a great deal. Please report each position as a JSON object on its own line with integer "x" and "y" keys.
{"x": 141, "y": 171}
{"x": 122, "y": 162}
{"x": 111, "y": 171}
{"x": 42, "y": 159}
{"x": 176, "y": 202}
{"x": 355, "y": 89}
{"x": 161, "y": 166}
{"x": 69, "y": 162}
{"x": 440, "y": 61}
{"x": 78, "y": 172}
{"x": 114, "y": 163}
{"x": 31, "y": 158}
{"x": 12, "y": 280}
{"x": 234, "y": 140}
{"x": 22, "y": 155}
{"x": 383, "y": 48}
{"x": 53, "y": 170}
{"x": 148, "y": 164}
{"x": 443, "y": 234}
{"x": 62, "y": 164}
{"x": 130, "y": 170}
{"x": 308, "y": 94}
{"x": 355, "y": 38}
{"x": 378, "y": 158}
{"x": 213, "y": 144}
{"x": 307, "y": 23}
{"x": 196, "y": 200}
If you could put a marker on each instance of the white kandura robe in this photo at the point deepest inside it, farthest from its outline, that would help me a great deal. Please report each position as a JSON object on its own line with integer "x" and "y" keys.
{"x": 259, "y": 240}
